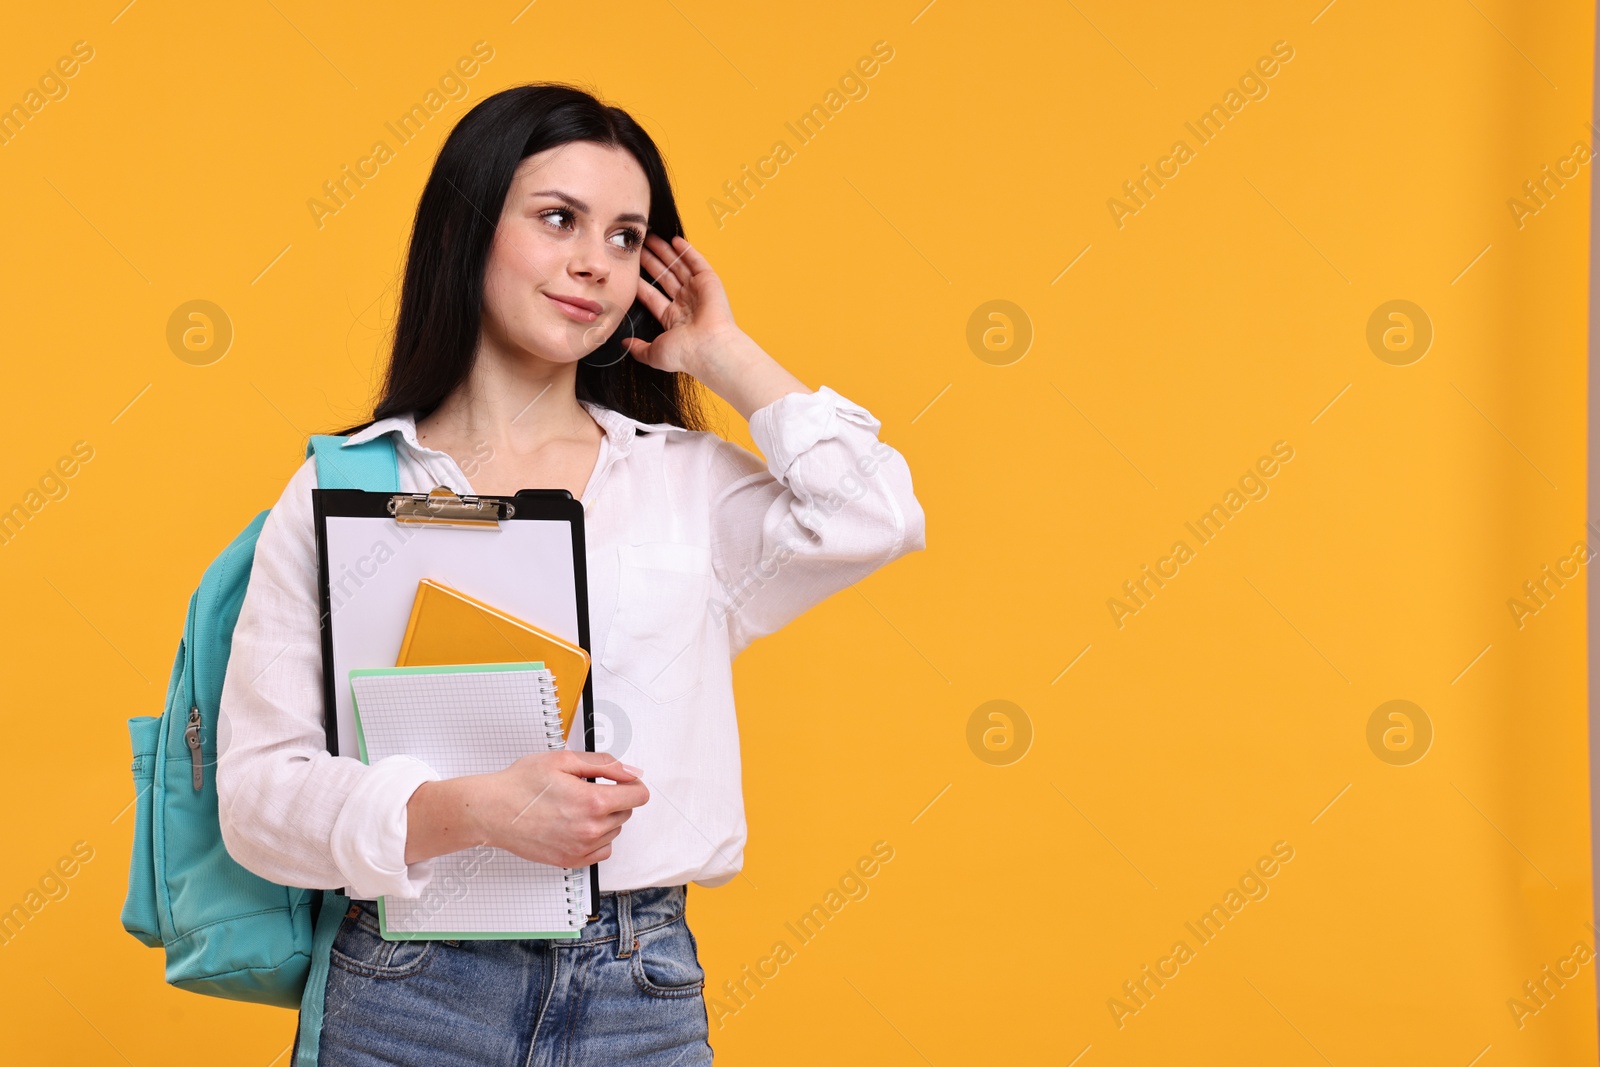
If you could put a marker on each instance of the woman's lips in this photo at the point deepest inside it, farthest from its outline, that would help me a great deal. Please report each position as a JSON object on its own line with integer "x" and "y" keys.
{"x": 573, "y": 311}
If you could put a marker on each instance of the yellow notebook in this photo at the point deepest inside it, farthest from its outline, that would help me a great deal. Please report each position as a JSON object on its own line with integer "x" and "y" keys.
{"x": 449, "y": 627}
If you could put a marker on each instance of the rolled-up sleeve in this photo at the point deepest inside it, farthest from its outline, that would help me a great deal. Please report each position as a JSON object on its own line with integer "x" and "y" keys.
{"x": 290, "y": 811}
{"x": 831, "y": 504}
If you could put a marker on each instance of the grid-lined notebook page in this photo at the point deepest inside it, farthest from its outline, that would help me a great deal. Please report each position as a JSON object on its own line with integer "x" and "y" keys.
{"x": 470, "y": 721}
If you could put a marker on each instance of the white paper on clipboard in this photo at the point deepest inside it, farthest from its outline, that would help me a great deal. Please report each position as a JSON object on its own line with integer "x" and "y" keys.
{"x": 528, "y": 566}
{"x": 524, "y": 568}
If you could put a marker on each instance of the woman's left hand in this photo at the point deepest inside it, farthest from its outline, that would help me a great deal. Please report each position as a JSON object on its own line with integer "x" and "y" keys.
{"x": 701, "y": 338}
{"x": 694, "y": 312}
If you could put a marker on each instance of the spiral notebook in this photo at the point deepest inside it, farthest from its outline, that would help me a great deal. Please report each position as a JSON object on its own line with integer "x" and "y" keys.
{"x": 470, "y": 719}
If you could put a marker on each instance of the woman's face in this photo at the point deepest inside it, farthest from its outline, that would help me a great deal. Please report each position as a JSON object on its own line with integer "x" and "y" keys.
{"x": 573, "y": 226}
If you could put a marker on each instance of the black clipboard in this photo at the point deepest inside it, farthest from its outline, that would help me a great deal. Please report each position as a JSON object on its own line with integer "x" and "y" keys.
{"x": 418, "y": 515}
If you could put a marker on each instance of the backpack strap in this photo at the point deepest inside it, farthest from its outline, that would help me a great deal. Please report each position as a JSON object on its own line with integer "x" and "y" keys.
{"x": 374, "y": 466}
{"x": 328, "y": 917}
{"x": 371, "y": 465}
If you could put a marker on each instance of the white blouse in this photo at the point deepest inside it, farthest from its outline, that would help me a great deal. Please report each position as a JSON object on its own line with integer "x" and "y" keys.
{"x": 695, "y": 548}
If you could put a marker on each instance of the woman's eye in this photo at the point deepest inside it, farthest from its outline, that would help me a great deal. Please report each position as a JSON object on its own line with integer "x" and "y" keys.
{"x": 558, "y": 211}
{"x": 631, "y": 239}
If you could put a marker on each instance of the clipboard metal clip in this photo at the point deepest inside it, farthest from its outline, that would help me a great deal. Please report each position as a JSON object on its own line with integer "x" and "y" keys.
{"x": 442, "y": 507}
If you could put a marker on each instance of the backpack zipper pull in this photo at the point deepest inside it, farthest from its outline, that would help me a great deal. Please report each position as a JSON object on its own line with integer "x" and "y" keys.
{"x": 191, "y": 734}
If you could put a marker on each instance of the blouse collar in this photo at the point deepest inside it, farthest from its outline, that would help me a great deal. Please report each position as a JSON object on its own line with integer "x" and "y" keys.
{"x": 620, "y": 429}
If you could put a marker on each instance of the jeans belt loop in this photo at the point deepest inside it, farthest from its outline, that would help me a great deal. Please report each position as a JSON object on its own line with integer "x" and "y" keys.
{"x": 624, "y": 925}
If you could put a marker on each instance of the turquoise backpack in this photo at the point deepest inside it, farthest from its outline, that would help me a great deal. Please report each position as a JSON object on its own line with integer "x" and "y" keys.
{"x": 227, "y": 932}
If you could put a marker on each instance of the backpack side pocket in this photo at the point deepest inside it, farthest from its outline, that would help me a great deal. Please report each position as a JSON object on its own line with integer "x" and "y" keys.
{"x": 139, "y": 910}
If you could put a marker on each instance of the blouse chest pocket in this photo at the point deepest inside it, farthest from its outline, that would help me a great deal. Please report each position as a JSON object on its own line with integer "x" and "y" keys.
{"x": 663, "y": 602}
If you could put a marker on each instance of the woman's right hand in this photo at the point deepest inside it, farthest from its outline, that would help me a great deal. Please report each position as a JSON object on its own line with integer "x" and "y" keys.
{"x": 541, "y": 808}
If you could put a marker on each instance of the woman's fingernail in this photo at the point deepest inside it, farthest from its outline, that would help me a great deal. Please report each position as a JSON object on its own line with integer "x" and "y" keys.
{"x": 636, "y": 772}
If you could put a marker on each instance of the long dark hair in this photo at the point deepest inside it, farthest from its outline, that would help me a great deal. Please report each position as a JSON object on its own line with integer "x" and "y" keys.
{"x": 441, "y": 300}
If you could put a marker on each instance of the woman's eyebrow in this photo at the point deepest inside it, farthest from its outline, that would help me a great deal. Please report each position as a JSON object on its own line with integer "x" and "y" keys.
{"x": 579, "y": 205}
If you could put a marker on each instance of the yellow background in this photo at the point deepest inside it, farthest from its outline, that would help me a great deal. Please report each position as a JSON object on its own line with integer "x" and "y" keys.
{"x": 1228, "y": 314}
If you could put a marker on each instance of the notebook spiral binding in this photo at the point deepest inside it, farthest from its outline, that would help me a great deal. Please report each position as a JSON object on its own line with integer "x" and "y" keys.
{"x": 552, "y": 720}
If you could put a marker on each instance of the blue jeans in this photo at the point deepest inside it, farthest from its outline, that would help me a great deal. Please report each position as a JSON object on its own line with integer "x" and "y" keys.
{"x": 627, "y": 991}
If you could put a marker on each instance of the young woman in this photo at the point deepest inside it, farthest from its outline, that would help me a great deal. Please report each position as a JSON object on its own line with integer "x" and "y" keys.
{"x": 553, "y": 323}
